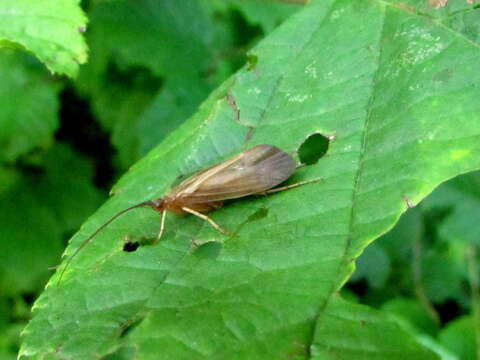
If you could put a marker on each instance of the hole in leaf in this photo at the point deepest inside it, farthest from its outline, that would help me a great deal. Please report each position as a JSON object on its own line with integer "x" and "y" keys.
{"x": 131, "y": 246}
{"x": 313, "y": 148}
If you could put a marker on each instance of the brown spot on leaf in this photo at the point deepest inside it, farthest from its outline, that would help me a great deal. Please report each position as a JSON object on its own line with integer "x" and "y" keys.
{"x": 437, "y": 4}
{"x": 252, "y": 61}
{"x": 233, "y": 104}
{"x": 409, "y": 202}
{"x": 405, "y": 6}
{"x": 299, "y": 350}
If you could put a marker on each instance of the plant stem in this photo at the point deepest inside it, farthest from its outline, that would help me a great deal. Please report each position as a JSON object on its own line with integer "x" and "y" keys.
{"x": 295, "y": 2}
{"x": 417, "y": 278}
{"x": 475, "y": 288}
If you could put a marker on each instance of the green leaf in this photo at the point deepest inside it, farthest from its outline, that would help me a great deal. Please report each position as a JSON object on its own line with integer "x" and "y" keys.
{"x": 459, "y": 337}
{"x": 50, "y": 30}
{"x": 365, "y": 74}
{"x": 411, "y": 313}
{"x": 9, "y": 342}
{"x": 29, "y": 103}
{"x": 125, "y": 134}
{"x": 71, "y": 177}
{"x": 175, "y": 103}
{"x": 399, "y": 242}
{"x": 374, "y": 265}
{"x": 461, "y": 197}
{"x": 352, "y": 331}
{"x": 444, "y": 264}
{"x": 444, "y": 275}
{"x": 30, "y": 239}
{"x": 388, "y": 265}
{"x": 151, "y": 34}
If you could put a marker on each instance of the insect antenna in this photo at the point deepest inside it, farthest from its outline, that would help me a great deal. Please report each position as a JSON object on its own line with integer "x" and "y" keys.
{"x": 108, "y": 222}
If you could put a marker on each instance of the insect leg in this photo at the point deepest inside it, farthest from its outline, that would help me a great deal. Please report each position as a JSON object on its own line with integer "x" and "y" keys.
{"x": 291, "y": 186}
{"x": 206, "y": 218}
{"x": 162, "y": 226}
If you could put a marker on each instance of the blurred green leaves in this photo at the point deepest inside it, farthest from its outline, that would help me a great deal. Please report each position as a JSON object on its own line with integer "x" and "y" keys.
{"x": 44, "y": 203}
{"x": 352, "y": 331}
{"x": 152, "y": 63}
{"x": 394, "y": 91}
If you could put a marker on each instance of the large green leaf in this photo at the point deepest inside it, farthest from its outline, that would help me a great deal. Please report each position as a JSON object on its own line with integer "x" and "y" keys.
{"x": 51, "y": 30}
{"x": 396, "y": 92}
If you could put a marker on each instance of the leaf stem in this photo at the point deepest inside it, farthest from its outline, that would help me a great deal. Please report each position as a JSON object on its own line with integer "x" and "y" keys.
{"x": 475, "y": 289}
{"x": 417, "y": 279}
{"x": 295, "y": 2}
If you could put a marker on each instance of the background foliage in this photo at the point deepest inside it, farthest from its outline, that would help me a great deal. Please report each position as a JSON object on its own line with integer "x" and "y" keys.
{"x": 65, "y": 140}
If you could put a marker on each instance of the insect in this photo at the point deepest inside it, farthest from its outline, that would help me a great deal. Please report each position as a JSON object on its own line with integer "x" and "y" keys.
{"x": 254, "y": 171}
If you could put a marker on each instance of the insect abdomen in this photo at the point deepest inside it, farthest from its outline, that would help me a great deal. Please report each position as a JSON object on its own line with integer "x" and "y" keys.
{"x": 176, "y": 205}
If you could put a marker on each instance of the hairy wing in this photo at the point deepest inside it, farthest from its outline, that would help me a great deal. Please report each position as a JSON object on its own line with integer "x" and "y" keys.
{"x": 252, "y": 171}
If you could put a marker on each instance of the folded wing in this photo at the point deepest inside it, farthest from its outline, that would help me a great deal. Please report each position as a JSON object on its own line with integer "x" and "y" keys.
{"x": 255, "y": 170}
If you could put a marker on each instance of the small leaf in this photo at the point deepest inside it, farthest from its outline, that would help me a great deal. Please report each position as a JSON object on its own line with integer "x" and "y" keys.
{"x": 51, "y": 30}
